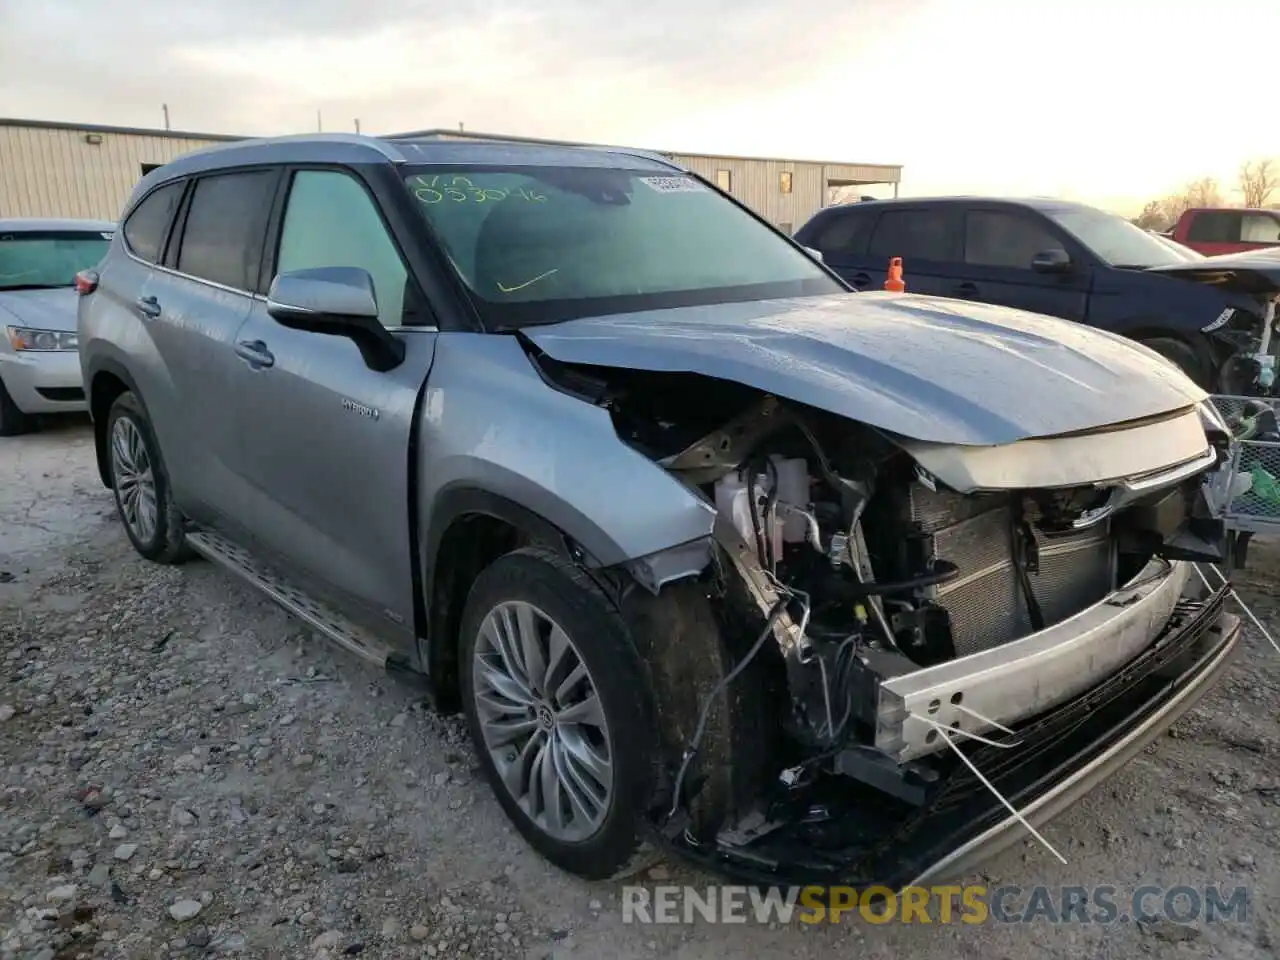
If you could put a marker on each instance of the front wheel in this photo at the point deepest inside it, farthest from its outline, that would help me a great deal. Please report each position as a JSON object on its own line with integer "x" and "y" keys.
{"x": 1181, "y": 354}
{"x": 556, "y": 703}
{"x": 144, "y": 500}
{"x": 12, "y": 420}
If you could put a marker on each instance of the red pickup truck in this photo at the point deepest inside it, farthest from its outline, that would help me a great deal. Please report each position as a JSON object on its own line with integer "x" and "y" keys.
{"x": 1216, "y": 230}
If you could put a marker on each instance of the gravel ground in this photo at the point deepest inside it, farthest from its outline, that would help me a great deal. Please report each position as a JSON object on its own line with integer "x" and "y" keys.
{"x": 186, "y": 771}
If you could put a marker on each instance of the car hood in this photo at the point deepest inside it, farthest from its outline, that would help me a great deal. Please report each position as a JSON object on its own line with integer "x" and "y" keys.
{"x": 39, "y": 309}
{"x": 1256, "y": 273}
{"x": 932, "y": 369}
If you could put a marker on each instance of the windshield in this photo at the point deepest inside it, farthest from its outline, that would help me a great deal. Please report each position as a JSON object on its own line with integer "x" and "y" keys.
{"x": 543, "y": 244}
{"x": 37, "y": 259}
{"x": 1115, "y": 240}
{"x": 1182, "y": 252}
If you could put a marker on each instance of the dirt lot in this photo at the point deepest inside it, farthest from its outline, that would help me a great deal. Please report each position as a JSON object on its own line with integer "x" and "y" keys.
{"x": 186, "y": 771}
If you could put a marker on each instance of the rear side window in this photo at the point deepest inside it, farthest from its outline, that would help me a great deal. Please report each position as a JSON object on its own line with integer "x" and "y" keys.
{"x": 1214, "y": 226}
{"x": 146, "y": 228}
{"x": 995, "y": 238}
{"x": 223, "y": 237}
{"x": 919, "y": 234}
{"x": 1260, "y": 228}
{"x": 844, "y": 233}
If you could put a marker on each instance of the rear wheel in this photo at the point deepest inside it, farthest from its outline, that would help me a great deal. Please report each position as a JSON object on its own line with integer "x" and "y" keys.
{"x": 558, "y": 710}
{"x": 144, "y": 500}
{"x": 12, "y": 420}
{"x": 1182, "y": 354}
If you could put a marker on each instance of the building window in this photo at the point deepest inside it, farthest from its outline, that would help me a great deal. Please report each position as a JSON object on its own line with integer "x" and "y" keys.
{"x": 784, "y": 181}
{"x": 724, "y": 180}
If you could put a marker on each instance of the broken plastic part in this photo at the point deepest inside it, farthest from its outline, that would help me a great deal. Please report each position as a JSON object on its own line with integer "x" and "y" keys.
{"x": 909, "y": 782}
{"x": 1240, "y": 603}
{"x": 676, "y": 563}
{"x": 945, "y": 733}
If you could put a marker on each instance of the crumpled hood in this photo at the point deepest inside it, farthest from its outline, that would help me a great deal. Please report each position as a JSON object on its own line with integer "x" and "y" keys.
{"x": 933, "y": 369}
{"x": 1256, "y": 272}
{"x": 39, "y": 309}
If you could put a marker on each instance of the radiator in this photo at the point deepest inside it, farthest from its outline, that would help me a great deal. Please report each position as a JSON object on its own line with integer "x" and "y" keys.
{"x": 985, "y": 601}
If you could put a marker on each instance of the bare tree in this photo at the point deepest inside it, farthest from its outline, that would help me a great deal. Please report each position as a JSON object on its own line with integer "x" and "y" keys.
{"x": 1198, "y": 193}
{"x": 1258, "y": 180}
{"x": 1203, "y": 193}
{"x": 1153, "y": 217}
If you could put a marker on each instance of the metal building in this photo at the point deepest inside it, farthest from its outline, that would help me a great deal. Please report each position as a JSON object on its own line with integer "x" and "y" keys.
{"x": 51, "y": 169}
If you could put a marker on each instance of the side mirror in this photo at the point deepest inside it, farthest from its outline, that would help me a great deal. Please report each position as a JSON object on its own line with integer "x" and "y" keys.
{"x": 337, "y": 301}
{"x": 1051, "y": 261}
{"x": 816, "y": 254}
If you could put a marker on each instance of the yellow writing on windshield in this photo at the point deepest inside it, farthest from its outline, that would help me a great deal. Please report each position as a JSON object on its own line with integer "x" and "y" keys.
{"x": 439, "y": 188}
{"x": 503, "y": 288}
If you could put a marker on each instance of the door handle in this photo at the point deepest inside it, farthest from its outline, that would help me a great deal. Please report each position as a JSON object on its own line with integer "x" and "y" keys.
{"x": 861, "y": 280}
{"x": 256, "y": 352}
{"x": 965, "y": 289}
{"x": 148, "y": 307}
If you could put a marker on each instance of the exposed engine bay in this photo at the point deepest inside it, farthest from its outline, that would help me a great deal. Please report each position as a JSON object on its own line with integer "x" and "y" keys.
{"x": 878, "y": 622}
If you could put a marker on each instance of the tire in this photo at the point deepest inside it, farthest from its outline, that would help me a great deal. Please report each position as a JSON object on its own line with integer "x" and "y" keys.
{"x": 135, "y": 464}
{"x": 13, "y": 421}
{"x": 1182, "y": 354}
{"x": 535, "y": 586}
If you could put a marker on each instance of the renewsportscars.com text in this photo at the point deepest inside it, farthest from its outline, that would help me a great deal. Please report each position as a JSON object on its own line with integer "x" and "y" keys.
{"x": 937, "y": 904}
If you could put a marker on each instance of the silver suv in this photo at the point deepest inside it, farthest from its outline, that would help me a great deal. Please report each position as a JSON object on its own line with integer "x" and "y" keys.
{"x": 717, "y": 556}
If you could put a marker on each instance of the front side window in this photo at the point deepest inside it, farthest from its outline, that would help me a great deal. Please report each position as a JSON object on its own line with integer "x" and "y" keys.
{"x": 539, "y": 244}
{"x": 225, "y": 228}
{"x": 331, "y": 221}
{"x": 43, "y": 259}
{"x": 993, "y": 238}
{"x": 1260, "y": 228}
{"x": 1114, "y": 240}
{"x": 146, "y": 228}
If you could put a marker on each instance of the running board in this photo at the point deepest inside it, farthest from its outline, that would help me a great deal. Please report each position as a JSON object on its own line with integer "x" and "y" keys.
{"x": 322, "y": 618}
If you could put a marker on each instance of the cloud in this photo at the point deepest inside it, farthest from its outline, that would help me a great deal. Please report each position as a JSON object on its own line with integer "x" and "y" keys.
{"x": 985, "y": 96}
{"x": 578, "y": 68}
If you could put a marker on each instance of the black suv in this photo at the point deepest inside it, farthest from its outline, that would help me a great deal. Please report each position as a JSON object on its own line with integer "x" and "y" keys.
{"x": 1054, "y": 257}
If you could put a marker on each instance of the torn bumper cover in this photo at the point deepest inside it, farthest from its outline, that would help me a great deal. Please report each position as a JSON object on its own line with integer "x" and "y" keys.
{"x": 1060, "y": 755}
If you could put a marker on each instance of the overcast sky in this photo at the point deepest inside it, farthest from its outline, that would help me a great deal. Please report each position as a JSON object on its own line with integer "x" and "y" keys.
{"x": 1110, "y": 101}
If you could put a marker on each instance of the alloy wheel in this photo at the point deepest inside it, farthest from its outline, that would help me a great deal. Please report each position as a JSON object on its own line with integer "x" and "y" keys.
{"x": 542, "y": 721}
{"x": 134, "y": 479}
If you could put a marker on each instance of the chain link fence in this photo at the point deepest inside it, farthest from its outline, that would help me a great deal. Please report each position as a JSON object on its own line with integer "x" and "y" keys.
{"x": 1248, "y": 491}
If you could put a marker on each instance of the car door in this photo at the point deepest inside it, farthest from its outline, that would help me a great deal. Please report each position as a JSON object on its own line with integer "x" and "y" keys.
{"x": 323, "y": 440}
{"x": 190, "y": 305}
{"x": 926, "y": 237}
{"x": 1000, "y": 245}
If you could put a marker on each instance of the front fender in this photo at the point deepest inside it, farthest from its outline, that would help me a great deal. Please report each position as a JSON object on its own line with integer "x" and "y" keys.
{"x": 490, "y": 425}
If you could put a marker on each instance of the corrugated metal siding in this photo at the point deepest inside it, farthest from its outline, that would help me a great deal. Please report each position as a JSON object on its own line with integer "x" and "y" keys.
{"x": 758, "y": 184}
{"x": 56, "y": 173}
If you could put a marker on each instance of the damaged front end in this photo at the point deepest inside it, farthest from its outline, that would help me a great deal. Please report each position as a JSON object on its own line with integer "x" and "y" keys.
{"x": 889, "y": 649}
{"x": 1245, "y": 335}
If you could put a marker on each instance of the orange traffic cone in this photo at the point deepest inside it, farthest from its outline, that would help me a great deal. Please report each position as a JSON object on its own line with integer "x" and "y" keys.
{"x": 894, "y": 281}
